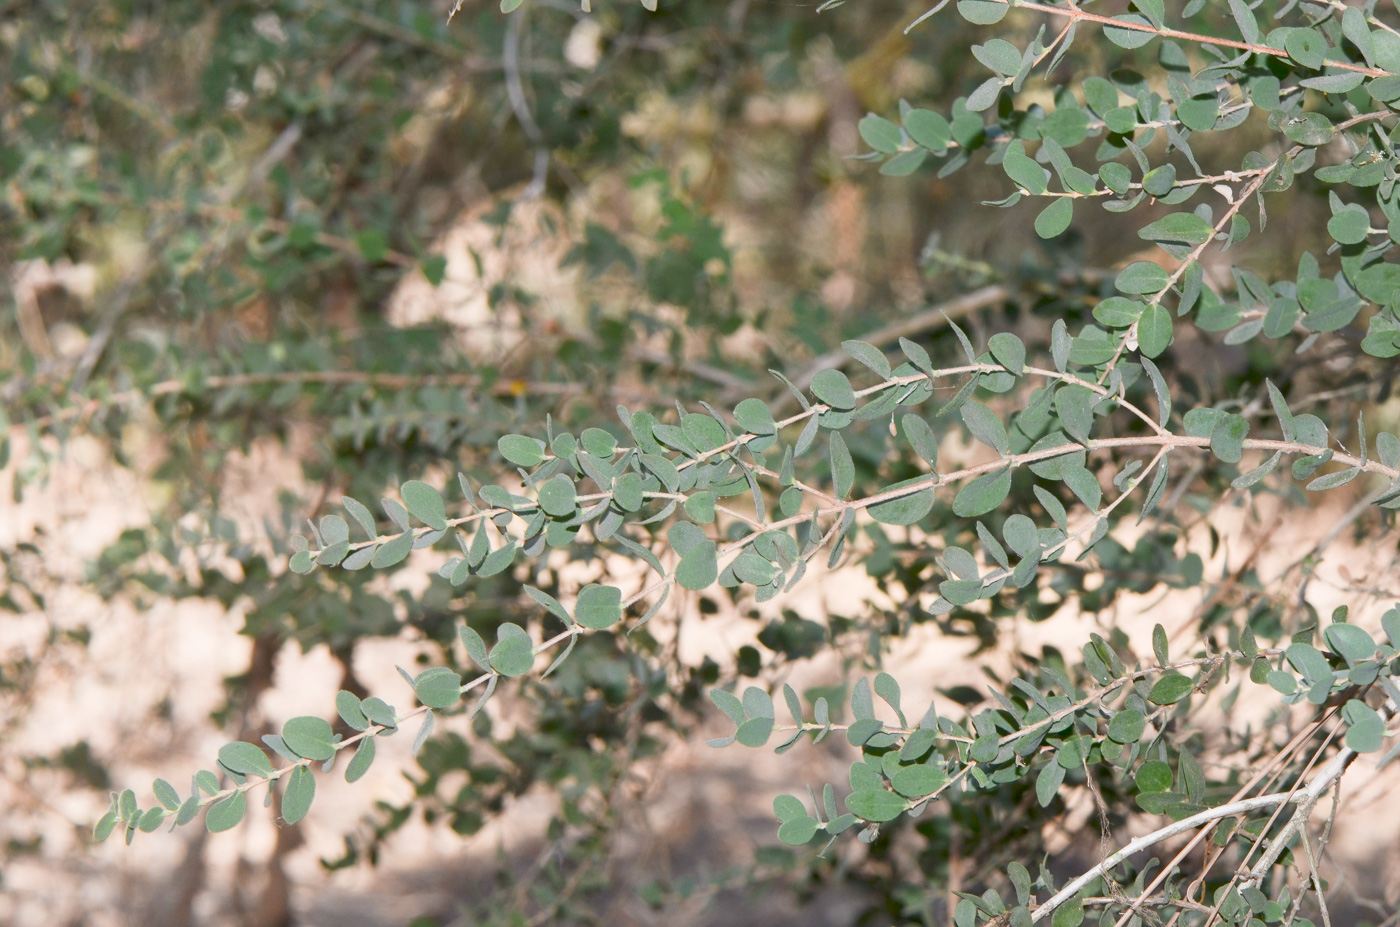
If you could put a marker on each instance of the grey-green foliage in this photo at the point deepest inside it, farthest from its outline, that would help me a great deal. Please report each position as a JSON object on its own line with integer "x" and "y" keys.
{"x": 746, "y": 498}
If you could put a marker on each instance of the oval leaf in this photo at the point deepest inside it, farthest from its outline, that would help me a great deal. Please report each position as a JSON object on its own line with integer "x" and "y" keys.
{"x": 245, "y": 758}
{"x": 1170, "y": 689}
{"x": 225, "y": 815}
{"x": 982, "y": 494}
{"x": 438, "y": 687}
{"x": 425, "y": 504}
{"x": 514, "y": 653}
{"x": 296, "y": 801}
{"x": 309, "y": 736}
{"x": 598, "y": 606}
{"x": 876, "y": 805}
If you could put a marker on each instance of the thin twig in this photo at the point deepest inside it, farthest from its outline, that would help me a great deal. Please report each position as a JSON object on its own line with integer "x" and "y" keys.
{"x": 1304, "y": 798}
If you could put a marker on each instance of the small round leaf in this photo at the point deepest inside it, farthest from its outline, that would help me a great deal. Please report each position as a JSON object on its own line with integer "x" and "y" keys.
{"x": 1055, "y": 218}
{"x": 225, "y": 815}
{"x": 309, "y": 736}
{"x": 598, "y": 606}
{"x": 1170, "y": 689}
{"x": 438, "y": 687}
{"x": 876, "y": 805}
{"x": 514, "y": 653}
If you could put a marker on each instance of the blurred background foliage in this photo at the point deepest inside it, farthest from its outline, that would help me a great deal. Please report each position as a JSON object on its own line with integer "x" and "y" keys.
{"x": 265, "y": 253}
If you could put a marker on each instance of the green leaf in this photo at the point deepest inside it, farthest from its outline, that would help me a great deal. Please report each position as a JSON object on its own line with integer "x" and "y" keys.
{"x": 475, "y": 646}
{"x": 301, "y": 790}
{"x": 1070, "y": 914}
{"x": 1154, "y": 776}
{"x": 1055, "y": 218}
{"x": 425, "y": 504}
{"x": 104, "y": 826}
{"x": 557, "y": 497}
{"x": 1199, "y": 114}
{"x": 360, "y": 762}
{"x": 438, "y": 687}
{"x": 1246, "y": 480}
{"x": 843, "y": 471}
{"x": 983, "y": 494}
{"x": 1354, "y": 27}
{"x": 1312, "y": 129}
{"x": 225, "y": 815}
{"x": 1023, "y": 171}
{"x": 982, "y": 12}
{"x": 700, "y": 506}
{"x": 1159, "y": 645}
{"x": 1141, "y": 277}
{"x": 627, "y": 492}
{"x": 347, "y": 705}
{"x": 521, "y": 451}
{"x": 876, "y": 805}
{"x": 881, "y": 134}
{"x": 754, "y": 416}
{"x": 514, "y": 653}
{"x": 1048, "y": 782}
{"x": 1118, "y": 311}
{"x": 1128, "y": 38}
{"x": 754, "y": 732}
{"x": 1075, "y": 406}
{"x": 1350, "y": 225}
{"x": 1307, "y": 47}
{"x": 1309, "y": 661}
{"x": 363, "y": 517}
{"x": 698, "y": 567}
{"x": 1334, "y": 479}
{"x": 334, "y": 530}
{"x": 392, "y": 552}
{"x": 903, "y": 510}
{"x": 245, "y": 758}
{"x": 1127, "y": 726}
{"x": 373, "y": 244}
{"x": 870, "y": 356}
{"x": 309, "y": 736}
{"x": 797, "y": 832}
{"x": 730, "y": 704}
{"x": 1227, "y": 437}
{"x": 985, "y": 426}
{"x": 1008, "y": 351}
{"x": 920, "y": 437}
{"x": 1244, "y": 18}
{"x": 1354, "y": 644}
{"x": 598, "y": 607}
{"x": 919, "y": 780}
{"x": 831, "y": 387}
{"x": 1178, "y": 228}
{"x": 434, "y": 268}
{"x": 1000, "y": 56}
{"x": 549, "y": 603}
{"x": 1170, "y": 689}
{"x": 960, "y": 591}
{"x": 166, "y": 794}
{"x": 928, "y": 129}
{"x": 1365, "y": 728}
{"x": 788, "y": 807}
{"x": 1115, "y": 176}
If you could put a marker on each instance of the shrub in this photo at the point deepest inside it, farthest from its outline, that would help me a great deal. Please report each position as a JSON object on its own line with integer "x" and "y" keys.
{"x": 1096, "y": 442}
